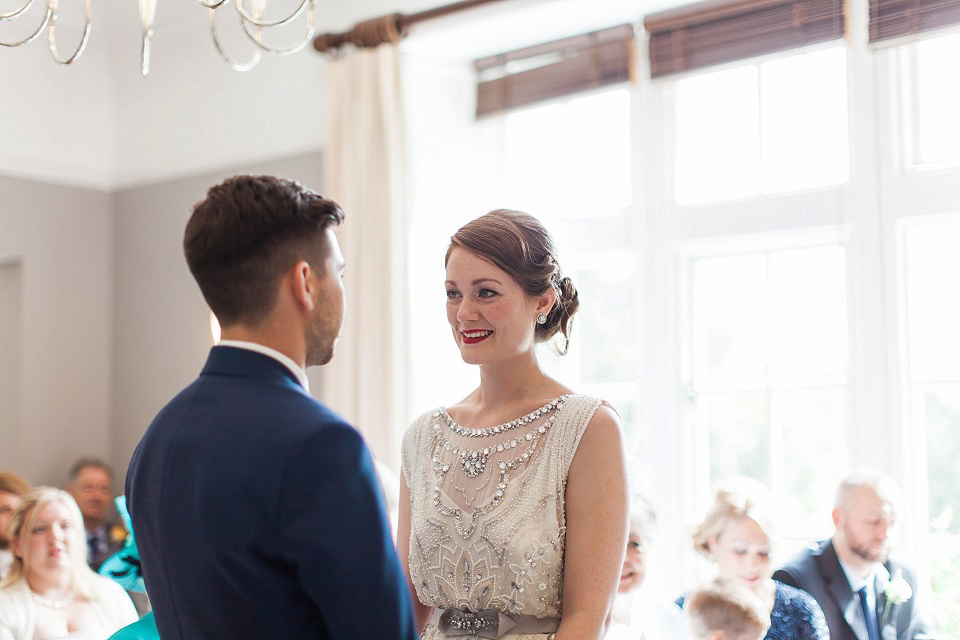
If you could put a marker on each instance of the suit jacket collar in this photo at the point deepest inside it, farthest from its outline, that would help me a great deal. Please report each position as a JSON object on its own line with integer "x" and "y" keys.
{"x": 839, "y": 588}
{"x": 231, "y": 361}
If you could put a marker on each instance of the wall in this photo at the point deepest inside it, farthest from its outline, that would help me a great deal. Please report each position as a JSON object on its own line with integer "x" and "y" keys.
{"x": 161, "y": 323}
{"x": 60, "y": 238}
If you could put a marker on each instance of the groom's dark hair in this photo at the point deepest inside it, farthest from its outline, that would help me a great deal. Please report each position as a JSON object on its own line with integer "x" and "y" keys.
{"x": 246, "y": 233}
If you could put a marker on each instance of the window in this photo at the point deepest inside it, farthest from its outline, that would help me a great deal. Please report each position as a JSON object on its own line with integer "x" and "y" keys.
{"x": 768, "y": 372}
{"x": 768, "y": 127}
{"x": 567, "y": 162}
{"x": 932, "y": 280}
{"x": 931, "y": 96}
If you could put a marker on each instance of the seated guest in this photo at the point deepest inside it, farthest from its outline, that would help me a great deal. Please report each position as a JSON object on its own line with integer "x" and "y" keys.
{"x": 738, "y": 534}
{"x": 50, "y": 591}
{"x": 723, "y": 610}
{"x": 12, "y": 489}
{"x": 90, "y": 485}
{"x": 636, "y": 612}
{"x": 863, "y": 592}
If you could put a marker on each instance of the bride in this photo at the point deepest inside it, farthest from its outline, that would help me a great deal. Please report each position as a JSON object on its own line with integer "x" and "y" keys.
{"x": 513, "y": 506}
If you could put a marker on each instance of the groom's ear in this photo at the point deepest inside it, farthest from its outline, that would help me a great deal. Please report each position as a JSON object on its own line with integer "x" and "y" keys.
{"x": 301, "y": 284}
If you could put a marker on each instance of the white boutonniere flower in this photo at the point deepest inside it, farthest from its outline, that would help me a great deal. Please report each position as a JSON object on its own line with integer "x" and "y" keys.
{"x": 897, "y": 591}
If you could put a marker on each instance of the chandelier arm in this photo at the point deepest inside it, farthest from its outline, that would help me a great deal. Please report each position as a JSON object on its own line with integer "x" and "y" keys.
{"x": 256, "y": 21}
{"x": 53, "y": 38}
{"x": 16, "y": 12}
{"x": 212, "y": 5}
{"x": 236, "y": 66}
{"x": 148, "y": 11}
{"x": 258, "y": 40}
{"x": 32, "y": 36}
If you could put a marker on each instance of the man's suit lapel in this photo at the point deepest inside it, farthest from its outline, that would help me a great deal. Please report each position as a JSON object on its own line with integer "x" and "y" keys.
{"x": 840, "y": 591}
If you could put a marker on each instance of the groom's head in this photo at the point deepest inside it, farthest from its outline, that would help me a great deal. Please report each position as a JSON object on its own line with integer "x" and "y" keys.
{"x": 260, "y": 246}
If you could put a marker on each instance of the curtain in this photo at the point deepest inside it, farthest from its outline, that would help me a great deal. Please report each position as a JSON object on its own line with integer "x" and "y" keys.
{"x": 363, "y": 171}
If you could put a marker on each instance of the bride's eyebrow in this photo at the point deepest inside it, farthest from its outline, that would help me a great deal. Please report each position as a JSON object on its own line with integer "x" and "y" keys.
{"x": 479, "y": 281}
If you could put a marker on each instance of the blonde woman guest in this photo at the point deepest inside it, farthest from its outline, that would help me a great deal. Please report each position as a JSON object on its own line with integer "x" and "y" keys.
{"x": 513, "y": 507}
{"x": 50, "y": 591}
{"x": 738, "y": 534}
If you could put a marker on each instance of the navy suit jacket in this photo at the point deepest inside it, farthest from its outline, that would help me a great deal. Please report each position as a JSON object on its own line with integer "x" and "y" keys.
{"x": 258, "y": 514}
{"x": 817, "y": 571}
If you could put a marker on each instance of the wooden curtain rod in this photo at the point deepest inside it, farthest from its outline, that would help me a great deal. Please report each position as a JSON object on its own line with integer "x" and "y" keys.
{"x": 389, "y": 28}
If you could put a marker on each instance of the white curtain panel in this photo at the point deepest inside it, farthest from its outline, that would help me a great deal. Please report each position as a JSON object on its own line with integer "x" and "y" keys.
{"x": 363, "y": 171}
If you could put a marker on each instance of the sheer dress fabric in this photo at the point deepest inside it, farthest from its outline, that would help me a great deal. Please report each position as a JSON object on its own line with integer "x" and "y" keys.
{"x": 488, "y": 532}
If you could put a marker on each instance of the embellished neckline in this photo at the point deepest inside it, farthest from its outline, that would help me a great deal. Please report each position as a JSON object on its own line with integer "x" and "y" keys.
{"x": 517, "y": 450}
{"x": 470, "y": 432}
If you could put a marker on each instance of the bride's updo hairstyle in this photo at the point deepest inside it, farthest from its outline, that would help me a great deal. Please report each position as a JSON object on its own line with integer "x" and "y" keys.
{"x": 517, "y": 243}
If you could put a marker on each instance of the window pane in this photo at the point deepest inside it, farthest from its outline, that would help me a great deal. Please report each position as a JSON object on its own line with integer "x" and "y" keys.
{"x": 762, "y": 128}
{"x": 717, "y": 137}
{"x": 808, "y": 317}
{"x": 730, "y": 323}
{"x": 805, "y": 420}
{"x": 941, "y": 410}
{"x": 945, "y": 608}
{"x": 933, "y": 303}
{"x": 608, "y": 352}
{"x": 739, "y": 442}
{"x": 569, "y": 159}
{"x": 938, "y": 101}
{"x": 804, "y": 121}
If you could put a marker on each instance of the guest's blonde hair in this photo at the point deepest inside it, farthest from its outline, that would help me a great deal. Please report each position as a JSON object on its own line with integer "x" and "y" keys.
{"x": 723, "y": 606}
{"x": 21, "y": 528}
{"x": 737, "y": 497}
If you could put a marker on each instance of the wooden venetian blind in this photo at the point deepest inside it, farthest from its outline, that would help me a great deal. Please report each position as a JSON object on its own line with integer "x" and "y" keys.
{"x": 895, "y": 18}
{"x": 713, "y": 33}
{"x": 554, "y": 69}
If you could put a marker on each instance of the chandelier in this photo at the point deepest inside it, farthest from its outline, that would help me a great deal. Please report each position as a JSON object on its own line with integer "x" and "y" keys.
{"x": 250, "y": 13}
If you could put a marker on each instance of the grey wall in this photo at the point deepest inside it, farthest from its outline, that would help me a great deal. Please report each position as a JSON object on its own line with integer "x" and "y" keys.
{"x": 161, "y": 323}
{"x": 58, "y": 296}
{"x": 100, "y": 320}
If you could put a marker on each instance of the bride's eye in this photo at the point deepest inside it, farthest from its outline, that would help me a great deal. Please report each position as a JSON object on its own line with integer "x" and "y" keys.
{"x": 452, "y": 294}
{"x": 487, "y": 293}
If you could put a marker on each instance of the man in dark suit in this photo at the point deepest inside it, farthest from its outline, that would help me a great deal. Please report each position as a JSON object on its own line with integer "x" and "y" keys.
{"x": 864, "y": 594}
{"x": 257, "y": 510}
{"x": 91, "y": 485}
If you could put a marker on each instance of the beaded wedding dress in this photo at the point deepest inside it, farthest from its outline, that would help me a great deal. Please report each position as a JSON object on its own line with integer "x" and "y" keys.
{"x": 487, "y": 518}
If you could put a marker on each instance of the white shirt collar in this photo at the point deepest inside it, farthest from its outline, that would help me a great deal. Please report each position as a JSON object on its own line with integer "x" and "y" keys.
{"x": 283, "y": 359}
{"x": 878, "y": 571}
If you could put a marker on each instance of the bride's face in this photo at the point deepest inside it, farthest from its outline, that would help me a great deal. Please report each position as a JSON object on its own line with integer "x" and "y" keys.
{"x": 491, "y": 316}
{"x": 48, "y": 543}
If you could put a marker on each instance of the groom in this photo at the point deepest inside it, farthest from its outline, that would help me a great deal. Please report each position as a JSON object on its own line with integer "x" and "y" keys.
{"x": 257, "y": 509}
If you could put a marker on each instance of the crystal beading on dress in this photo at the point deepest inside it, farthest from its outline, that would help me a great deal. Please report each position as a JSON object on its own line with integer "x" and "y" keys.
{"x": 474, "y": 461}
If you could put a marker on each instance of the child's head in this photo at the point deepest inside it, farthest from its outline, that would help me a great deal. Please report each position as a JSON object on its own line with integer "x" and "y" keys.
{"x": 723, "y": 610}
